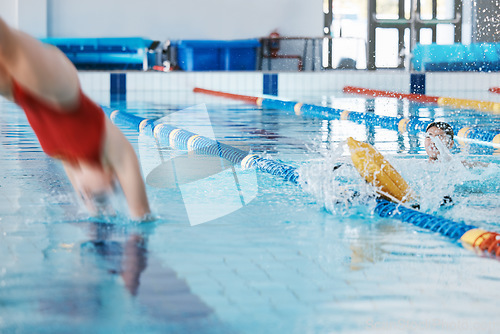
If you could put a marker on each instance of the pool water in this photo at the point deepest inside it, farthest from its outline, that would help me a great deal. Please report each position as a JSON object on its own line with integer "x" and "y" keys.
{"x": 277, "y": 258}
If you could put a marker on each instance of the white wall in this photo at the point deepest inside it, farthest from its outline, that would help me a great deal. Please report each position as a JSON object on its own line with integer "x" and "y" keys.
{"x": 184, "y": 19}
{"x": 27, "y": 15}
{"x": 8, "y": 12}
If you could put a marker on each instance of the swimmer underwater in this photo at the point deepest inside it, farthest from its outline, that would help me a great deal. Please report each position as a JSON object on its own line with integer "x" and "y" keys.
{"x": 69, "y": 126}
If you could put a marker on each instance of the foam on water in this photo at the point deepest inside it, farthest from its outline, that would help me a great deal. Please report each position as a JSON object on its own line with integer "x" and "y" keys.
{"x": 336, "y": 185}
{"x": 444, "y": 187}
{"x": 449, "y": 177}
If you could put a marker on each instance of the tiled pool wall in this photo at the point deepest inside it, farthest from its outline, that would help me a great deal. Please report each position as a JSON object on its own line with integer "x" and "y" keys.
{"x": 173, "y": 86}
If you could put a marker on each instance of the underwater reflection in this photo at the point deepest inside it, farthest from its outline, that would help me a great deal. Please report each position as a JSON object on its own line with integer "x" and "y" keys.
{"x": 155, "y": 286}
{"x": 118, "y": 277}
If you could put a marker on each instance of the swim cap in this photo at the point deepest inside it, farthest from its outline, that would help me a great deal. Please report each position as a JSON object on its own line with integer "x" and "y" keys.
{"x": 443, "y": 126}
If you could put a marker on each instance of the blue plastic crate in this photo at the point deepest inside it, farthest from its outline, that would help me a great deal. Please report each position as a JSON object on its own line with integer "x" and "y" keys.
{"x": 105, "y": 53}
{"x": 209, "y": 55}
{"x": 481, "y": 57}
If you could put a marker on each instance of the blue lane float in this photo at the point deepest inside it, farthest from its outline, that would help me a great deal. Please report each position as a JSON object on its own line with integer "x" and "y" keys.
{"x": 412, "y": 125}
{"x": 182, "y": 139}
{"x": 186, "y": 140}
{"x": 446, "y": 227}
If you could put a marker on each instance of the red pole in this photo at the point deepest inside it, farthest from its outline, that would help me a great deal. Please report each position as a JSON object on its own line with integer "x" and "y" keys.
{"x": 244, "y": 98}
{"x": 382, "y": 93}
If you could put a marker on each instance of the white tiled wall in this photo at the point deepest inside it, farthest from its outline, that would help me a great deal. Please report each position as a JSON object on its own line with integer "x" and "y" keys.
{"x": 94, "y": 81}
{"x": 463, "y": 85}
{"x": 234, "y": 82}
{"x": 96, "y": 85}
{"x": 334, "y": 81}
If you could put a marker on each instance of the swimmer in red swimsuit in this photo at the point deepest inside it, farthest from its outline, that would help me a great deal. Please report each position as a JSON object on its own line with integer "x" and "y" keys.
{"x": 69, "y": 126}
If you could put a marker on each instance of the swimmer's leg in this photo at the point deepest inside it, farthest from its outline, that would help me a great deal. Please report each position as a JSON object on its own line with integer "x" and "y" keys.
{"x": 5, "y": 83}
{"x": 42, "y": 69}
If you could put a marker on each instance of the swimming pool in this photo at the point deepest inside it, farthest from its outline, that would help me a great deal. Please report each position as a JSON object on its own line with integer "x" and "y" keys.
{"x": 285, "y": 261}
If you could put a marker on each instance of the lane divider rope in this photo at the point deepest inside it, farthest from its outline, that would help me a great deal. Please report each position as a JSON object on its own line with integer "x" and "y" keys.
{"x": 483, "y": 242}
{"x": 400, "y": 124}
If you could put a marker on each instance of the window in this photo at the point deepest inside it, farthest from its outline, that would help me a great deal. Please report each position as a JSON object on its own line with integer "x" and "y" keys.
{"x": 382, "y": 33}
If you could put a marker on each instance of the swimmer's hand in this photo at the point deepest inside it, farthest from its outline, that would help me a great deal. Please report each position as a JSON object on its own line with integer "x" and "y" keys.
{"x": 337, "y": 166}
{"x": 446, "y": 202}
{"x": 415, "y": 206}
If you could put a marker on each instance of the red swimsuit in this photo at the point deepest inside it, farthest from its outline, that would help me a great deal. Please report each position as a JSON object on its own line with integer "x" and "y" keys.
{"x": 70, "y": 135}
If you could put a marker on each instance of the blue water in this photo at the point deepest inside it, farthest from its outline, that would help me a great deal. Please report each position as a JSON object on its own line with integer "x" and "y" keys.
{"x": 283, "y": 261}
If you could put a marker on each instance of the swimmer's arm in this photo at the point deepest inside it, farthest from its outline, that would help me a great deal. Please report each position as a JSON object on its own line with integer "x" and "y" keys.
{"x": 81, "y": 192}
{"x": 5, "y": 83}
{"x": 43, "y": 70}
{"x": 121, "y": 156}
{"x": 130, "y": 178}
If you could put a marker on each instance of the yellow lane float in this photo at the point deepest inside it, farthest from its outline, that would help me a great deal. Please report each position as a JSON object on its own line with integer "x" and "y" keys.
{"x": 376, "y": 170}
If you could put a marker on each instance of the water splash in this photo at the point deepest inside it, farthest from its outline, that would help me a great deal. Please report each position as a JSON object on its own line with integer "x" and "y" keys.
{"x": 472, "y": 191}
{"x": 336, "y": 185}
{"x": 489, "y": 27}
{"x": 444, "y": 188}
{"x": 435, "y": 182}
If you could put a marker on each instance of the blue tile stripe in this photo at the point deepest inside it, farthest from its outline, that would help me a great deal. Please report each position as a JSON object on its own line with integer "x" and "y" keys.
{"x": 118, "y": 83}
{"x": 417, "y": 83}
{"x": 270, "y": 84}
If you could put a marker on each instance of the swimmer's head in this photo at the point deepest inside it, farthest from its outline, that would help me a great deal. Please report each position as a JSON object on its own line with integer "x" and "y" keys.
{"x": 447, "y": 129}
{"x": 437, "y": 131}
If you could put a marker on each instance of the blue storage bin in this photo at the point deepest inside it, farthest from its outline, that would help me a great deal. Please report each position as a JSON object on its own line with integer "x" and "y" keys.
{"x": 104, "y": 53}
{"x": 482, "y": 57}
{"x": 209, "y": 55}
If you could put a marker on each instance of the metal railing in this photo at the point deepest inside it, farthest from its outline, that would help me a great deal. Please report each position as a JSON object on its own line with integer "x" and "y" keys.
{"x": 310, "y": 54}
